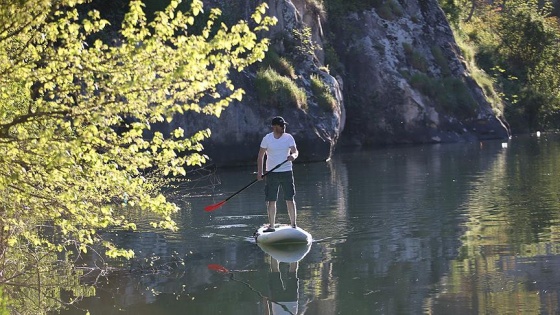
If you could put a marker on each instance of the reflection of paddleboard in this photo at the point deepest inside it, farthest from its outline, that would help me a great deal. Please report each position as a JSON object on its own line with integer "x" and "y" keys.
{"x": 283, "y": 234}
{"x": 286, "y": 252}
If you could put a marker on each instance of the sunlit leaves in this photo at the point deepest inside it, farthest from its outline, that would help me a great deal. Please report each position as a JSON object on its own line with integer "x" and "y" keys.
{"x": 77, "y": 147}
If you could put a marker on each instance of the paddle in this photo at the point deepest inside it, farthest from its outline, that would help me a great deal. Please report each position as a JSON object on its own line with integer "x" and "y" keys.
{"x": 218, "y": 268}
{"x": 221, "y": 203}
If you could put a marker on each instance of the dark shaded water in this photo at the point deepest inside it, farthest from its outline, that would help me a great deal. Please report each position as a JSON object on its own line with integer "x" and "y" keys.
{"x": 434, "y": 229}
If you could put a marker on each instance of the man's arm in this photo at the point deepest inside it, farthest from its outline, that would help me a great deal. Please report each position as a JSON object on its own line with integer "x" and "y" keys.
{"x": 260, "y": 159}
{"x": 293, "y": 153}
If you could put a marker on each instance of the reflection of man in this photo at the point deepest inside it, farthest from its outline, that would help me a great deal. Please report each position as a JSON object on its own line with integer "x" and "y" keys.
{"x": 283, "y": 291}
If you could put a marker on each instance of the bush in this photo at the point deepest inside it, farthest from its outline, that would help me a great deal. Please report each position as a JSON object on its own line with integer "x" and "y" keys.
{"x": 280, "y": 64}
{"x": 322, "y": 93}
{"x": 441, "y": 61}
{"x": 279, "y": 91}
{"x": 342, "y": 7}
{"x": 450, "y": 94}
{"x": 414, "y": 58}
{"x": 332, "y": 60}
{"x": 316, "y": 7}
{"x": 454, "y": 96}
{"x": 389, "y": 10}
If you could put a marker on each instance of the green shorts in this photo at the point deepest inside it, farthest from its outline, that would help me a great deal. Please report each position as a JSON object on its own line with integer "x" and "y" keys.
{"x": 275, "y": 180}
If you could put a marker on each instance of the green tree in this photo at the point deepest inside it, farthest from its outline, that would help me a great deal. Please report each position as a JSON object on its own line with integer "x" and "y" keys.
{"x": 528, "y": 49}
{"x": 518, "y": 42}
{"x": 525, "y": 38}
{"x": 76, "y": 108}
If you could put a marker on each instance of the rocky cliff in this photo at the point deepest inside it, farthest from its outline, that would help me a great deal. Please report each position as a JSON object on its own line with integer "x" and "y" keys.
{"x": 397, "y": 77}
{"x": 405, "y": 78}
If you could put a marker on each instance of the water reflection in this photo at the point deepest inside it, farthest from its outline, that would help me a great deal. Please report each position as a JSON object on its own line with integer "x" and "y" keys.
{"x": 288, "y": 253}
{"x": 278, "y": 285}
{"x": 509, "y": 254}
{"x": 283, "y": 280}
{"x": 283, "y": 297}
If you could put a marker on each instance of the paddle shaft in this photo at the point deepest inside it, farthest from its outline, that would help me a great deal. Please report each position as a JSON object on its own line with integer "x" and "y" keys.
{"x": 256, "y": 180}
{"x": 219, "y": 204}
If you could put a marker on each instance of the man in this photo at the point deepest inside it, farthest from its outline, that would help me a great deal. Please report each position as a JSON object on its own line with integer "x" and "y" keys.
{"x": 278, "y": 146}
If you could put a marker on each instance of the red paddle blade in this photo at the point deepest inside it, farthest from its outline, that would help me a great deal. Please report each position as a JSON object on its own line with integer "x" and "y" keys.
{"x": 218, "y": 268}
{"x": 214, "y": 206}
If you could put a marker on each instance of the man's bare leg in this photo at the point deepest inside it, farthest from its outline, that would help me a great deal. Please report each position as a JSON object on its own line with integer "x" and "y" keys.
{"x": 292, "y": 212}
{"x": 271, "y": 208}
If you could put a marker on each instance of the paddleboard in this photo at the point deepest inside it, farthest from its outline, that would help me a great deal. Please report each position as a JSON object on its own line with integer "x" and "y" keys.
{"x": 283, "y": 234}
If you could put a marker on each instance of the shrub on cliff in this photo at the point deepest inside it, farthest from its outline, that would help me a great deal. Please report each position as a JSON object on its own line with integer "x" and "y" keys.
{"x": 275, "y": 90}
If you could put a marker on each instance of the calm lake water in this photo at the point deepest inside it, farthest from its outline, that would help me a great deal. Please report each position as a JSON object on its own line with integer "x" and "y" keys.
{"x": 470, "y": 228}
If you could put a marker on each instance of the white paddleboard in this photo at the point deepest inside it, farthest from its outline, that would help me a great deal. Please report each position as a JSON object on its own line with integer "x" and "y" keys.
{"x": 283, "y": 234}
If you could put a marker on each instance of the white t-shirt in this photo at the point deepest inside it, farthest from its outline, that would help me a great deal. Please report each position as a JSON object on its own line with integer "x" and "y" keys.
{"x": 277, "y": 151}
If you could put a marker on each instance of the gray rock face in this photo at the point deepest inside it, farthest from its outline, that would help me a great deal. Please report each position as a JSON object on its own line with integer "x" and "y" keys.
{"x": 386, "y": 62}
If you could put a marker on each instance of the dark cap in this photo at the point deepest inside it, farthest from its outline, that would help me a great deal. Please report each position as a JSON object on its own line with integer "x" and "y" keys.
{"x": 278, "y": 121}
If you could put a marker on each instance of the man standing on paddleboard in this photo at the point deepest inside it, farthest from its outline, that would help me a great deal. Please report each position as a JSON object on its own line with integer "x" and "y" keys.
{"x": 278, "y": 146}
